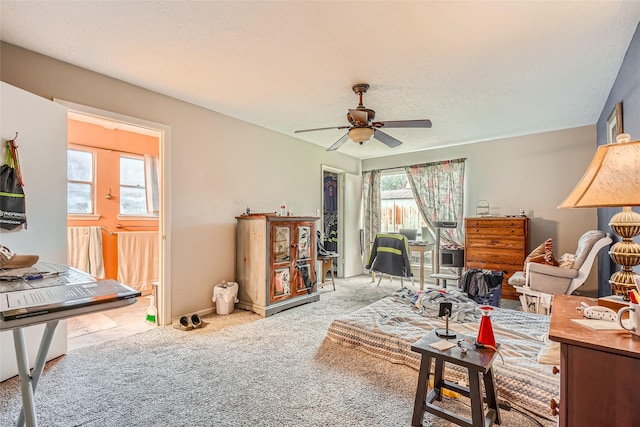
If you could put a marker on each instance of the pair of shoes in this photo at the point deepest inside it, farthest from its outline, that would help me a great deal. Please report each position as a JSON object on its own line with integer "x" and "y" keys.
{"x": 187, "y": 323}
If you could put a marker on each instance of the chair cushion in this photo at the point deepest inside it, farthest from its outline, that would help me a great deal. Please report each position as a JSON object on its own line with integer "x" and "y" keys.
{"x": 543, "y": 254}
{"x": 517, "y": 279}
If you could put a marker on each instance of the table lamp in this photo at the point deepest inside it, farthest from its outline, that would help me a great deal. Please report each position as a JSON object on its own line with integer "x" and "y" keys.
{"x": 613, "y": 180}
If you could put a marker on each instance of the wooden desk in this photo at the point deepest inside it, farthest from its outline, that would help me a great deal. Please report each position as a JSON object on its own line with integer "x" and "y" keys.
{"x": 599, "y": 370}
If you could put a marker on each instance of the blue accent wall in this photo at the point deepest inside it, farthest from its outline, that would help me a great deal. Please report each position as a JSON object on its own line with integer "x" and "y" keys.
{"x": 626, "y": 89}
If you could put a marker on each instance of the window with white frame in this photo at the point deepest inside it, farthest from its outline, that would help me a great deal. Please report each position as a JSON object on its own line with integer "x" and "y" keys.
{"x": 133, "y": 191}
{"x": 80, "y": 181}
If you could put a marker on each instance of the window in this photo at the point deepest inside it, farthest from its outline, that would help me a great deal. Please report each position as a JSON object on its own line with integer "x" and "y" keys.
{"x": 398, "y": 207}
{"x": 80, "y": 182}
{"x": 133, "y": 193}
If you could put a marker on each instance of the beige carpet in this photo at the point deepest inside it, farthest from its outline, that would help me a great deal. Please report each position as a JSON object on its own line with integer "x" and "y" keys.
{"x": 278, "y": 371}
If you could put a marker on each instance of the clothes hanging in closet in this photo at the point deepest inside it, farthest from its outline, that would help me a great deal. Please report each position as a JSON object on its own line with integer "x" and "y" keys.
{"x": 330, "y": 193}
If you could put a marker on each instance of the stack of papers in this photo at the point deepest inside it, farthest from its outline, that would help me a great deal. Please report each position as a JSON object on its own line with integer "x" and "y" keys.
{"x": 601, "y": 325}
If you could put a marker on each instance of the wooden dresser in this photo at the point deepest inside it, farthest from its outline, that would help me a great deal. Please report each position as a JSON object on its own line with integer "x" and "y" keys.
{"x": 275, "y": 262}
{"x": 599, "y": 370}
{"x": 497, "y": 243}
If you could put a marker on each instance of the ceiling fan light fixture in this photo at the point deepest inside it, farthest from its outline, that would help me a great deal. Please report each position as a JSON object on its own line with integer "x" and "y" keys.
{"x": 360, "y": 135}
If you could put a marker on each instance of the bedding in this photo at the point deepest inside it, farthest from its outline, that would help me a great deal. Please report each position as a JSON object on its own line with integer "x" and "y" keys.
{"x": 388, "y": 327}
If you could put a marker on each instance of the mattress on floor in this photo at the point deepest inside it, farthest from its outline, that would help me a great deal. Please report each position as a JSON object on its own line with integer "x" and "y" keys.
{"x": 387, "y": 329}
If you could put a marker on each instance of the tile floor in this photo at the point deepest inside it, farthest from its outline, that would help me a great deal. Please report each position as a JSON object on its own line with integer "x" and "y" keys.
{"x": 83, "y": 331}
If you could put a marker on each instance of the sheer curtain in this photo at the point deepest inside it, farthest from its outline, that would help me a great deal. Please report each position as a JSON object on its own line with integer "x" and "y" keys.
{"x": 371, "y": 196}
{"x": 438, "y": 190}
{"x": 152, "y": 172}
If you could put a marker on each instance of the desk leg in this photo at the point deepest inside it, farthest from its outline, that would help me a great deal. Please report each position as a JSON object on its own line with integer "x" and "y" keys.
{"x": 421, "y": 392}
{"x": 28, "y": 383}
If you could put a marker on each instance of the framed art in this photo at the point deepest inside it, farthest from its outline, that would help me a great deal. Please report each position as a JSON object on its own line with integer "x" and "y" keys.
{"x": 614, "y": 123}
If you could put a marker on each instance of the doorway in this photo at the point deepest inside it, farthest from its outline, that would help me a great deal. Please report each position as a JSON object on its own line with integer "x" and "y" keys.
{"x": 128, "y": 212}
{"x": 331, "y": 216}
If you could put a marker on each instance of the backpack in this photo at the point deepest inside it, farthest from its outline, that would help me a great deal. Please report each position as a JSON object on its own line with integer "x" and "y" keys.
{"x": 12, "y": 200}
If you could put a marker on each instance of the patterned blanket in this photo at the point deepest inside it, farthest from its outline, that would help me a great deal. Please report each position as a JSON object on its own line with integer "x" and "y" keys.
{"x": 387, "y": 329}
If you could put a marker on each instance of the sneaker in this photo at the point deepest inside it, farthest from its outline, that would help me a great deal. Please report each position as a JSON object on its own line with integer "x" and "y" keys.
{"x": 195, "y": 321}
{"x": 184, "y": 324}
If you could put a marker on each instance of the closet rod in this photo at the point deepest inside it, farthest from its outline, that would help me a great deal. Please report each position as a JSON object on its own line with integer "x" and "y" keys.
{"x": 71, "y": 144}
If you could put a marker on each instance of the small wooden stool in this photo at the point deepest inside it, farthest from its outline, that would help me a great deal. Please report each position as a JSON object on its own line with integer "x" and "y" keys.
{"x": 477, "y": 361}
{"x": 327, "y": 263}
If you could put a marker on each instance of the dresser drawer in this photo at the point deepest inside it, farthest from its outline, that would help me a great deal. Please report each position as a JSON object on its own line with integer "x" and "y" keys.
{"x": 508, "y": 243}
{"x": 497, "y": 232}
{"x": 495, "y": 256}
{"x": 495, "y": 223}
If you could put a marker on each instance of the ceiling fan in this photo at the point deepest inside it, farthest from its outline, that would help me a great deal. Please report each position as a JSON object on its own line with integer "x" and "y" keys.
{"x": 363, "y": 128}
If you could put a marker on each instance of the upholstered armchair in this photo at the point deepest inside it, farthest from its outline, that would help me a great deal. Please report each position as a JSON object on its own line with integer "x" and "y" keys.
{"x": 542, "y": 280}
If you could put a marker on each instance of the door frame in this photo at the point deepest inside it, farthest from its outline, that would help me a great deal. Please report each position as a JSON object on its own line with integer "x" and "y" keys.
{"x": 164, "y": 221}
{"x": 341, "y": 231}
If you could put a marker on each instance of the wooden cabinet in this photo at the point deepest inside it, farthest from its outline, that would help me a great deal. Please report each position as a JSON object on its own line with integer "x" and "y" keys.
{"x": 599, "y": 370}
{"x": 275, "y": 262}
{"x": 497, "y": 243}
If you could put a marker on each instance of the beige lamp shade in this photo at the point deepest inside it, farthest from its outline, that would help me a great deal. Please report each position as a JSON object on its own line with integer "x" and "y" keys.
{"x": 612, "y": 179}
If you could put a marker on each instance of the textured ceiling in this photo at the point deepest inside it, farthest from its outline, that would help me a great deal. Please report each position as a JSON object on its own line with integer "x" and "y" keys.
{"x": 478, "y": 70}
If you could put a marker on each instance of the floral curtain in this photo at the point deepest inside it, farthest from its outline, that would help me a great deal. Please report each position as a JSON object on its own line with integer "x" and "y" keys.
{"x": 371, "y": 196}
{"x": 438, "y": 190}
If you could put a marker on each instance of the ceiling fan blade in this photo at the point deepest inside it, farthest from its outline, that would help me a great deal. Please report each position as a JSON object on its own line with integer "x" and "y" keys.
{"x": 332, "y": 127}
{"x": 387, "y": 140}
{"x": 403, "y": 124}
{"x": 339, "y": 142}
{"x": 359, "y": 117}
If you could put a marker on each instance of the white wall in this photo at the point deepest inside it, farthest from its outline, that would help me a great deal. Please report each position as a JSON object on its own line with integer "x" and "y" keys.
{"x": 219, "y": 165}
{"x": 533, "y": 172}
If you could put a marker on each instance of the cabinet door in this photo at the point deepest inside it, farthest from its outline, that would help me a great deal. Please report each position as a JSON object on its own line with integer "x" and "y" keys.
{"x": 281, "y": 258}
{"x": 303, "y": 266}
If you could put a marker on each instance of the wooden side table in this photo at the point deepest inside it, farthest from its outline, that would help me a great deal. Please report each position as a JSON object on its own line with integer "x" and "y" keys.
{"x": 478, "y": 361}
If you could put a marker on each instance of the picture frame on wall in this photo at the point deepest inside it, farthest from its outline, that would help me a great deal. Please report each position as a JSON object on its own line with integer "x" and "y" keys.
{"x": 614, "y": 123}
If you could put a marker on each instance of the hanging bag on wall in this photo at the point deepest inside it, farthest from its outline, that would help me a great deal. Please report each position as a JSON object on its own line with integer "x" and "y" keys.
{"x": 12, "y": 200}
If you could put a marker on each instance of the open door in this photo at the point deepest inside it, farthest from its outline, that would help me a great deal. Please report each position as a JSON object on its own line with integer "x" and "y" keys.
{"x": 353, "y": 263}
{"x": 41, "y": 126}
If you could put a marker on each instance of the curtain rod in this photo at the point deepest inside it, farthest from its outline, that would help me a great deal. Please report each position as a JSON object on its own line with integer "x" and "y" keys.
{"x": 106, "y": 149}
{"x": 462, "y": 159}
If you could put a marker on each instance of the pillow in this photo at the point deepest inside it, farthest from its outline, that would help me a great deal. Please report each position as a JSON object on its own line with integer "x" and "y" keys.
{"x": 566, "y": 260}
{"x": 543, "y": 254}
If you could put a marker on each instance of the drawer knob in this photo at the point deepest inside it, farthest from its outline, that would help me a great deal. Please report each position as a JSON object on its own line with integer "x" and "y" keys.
{"x": 555, "y": 370}
{"x": 555, "y": 410}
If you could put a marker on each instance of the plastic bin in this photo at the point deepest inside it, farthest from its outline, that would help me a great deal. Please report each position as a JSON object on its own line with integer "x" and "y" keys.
{"x": 225, "y": 295}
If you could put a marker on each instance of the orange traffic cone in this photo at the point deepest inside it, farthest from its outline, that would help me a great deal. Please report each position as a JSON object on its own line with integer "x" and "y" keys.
{"x": 485, "y": 333}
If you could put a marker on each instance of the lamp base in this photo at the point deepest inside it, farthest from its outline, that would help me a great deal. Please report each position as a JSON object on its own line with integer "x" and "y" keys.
{"x": 445, "y": 333}
{"x": 626, "y": 252}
